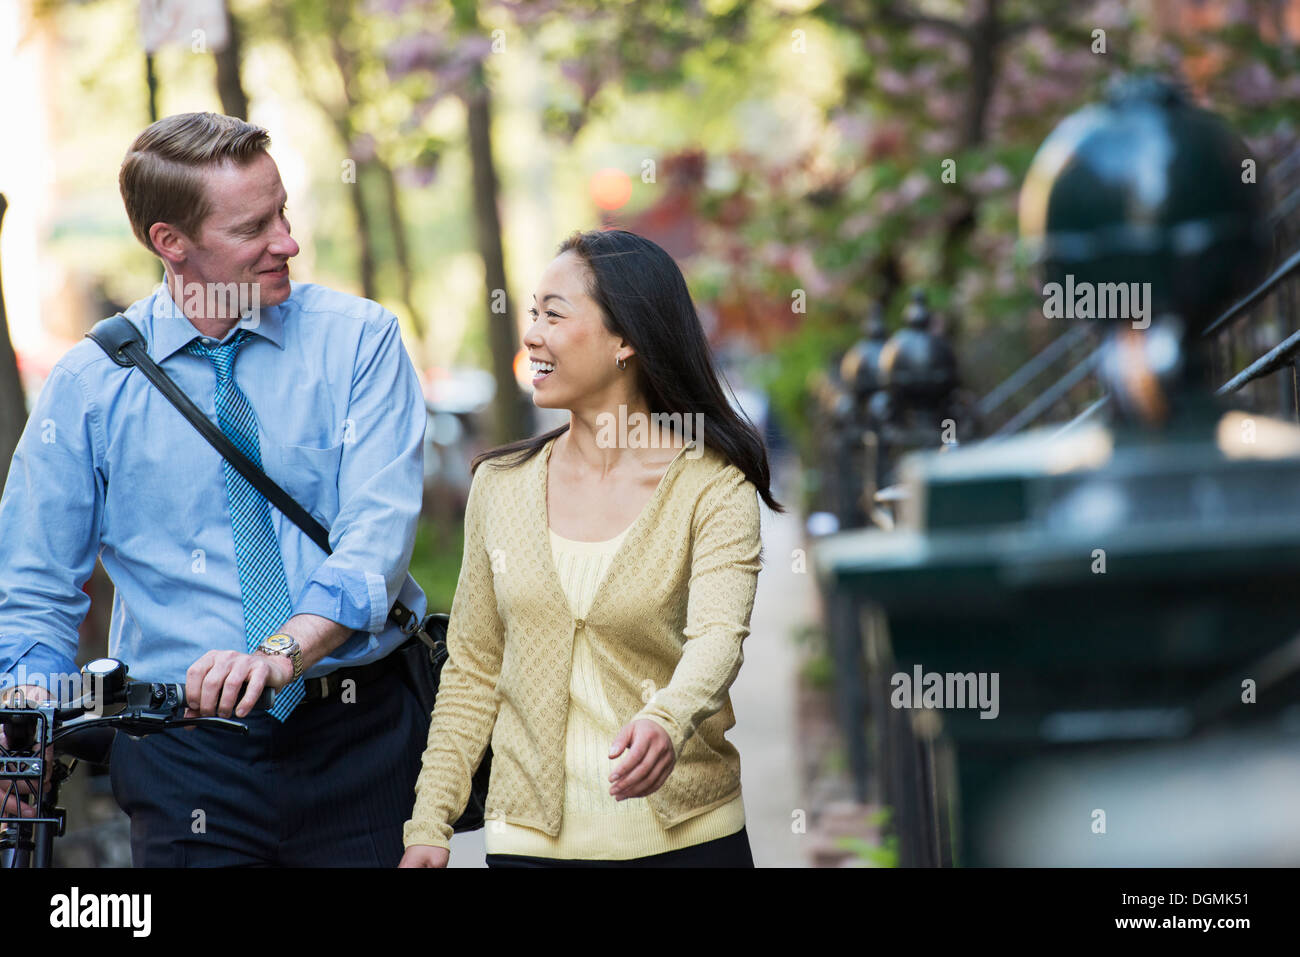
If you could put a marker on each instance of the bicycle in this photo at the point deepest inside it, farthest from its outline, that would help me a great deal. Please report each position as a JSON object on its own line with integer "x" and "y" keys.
{"x": 71, "y": 730}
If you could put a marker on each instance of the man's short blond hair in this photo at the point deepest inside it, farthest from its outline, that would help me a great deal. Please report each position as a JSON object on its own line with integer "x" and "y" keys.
{"x": 162, "y": 176}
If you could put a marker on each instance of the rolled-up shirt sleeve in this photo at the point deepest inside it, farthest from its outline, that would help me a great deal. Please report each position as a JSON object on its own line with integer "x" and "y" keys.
{"x": 50, "y": 518}
{"x": 725, "y": 562}
{"x": 380, "y": 483}
{"x": 466, "y": 709}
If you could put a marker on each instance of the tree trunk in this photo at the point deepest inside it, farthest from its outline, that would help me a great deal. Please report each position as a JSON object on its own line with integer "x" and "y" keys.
{"x": 397, "y": 224}
{"x": 13, "y": 404}
{"x": 982, "y": 47}
{"x": 151, "y": 84}
{"x": 337, "y": 13}
{"x": 982, "y": 50}
{"x": 511, "y": 422}
{"x": 365, "y": 231}
{"x": 234, "y": 101}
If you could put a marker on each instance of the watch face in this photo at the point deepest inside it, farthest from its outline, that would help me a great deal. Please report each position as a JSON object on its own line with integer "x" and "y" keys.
{"x": 278, "y": 643}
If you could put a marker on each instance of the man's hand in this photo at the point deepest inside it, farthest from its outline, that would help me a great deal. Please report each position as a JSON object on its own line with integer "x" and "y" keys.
{"x": 425, "y": 855}
{"x": 649, "y": 761}
{"x": 33, "y": 695}
{"x": 215, "y": 682}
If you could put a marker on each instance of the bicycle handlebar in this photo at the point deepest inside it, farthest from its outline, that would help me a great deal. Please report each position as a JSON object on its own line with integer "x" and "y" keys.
{"x": 83, "y": 729}
{"x": 136, "y": 707}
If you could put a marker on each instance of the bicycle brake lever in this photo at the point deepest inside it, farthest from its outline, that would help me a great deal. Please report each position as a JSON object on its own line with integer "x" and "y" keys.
{"x": 217, "y": 724}
{"x": 138, "y": 724}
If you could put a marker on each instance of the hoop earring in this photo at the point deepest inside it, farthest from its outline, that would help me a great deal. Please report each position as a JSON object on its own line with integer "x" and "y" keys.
{"x": 621, "y": 363}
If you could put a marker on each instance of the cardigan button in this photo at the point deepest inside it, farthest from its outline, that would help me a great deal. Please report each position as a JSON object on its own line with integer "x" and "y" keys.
{"x": 580, "y": 623}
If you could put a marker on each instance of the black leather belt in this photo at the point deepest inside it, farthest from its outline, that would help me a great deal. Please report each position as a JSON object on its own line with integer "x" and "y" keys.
{"x": 318, "y": 689}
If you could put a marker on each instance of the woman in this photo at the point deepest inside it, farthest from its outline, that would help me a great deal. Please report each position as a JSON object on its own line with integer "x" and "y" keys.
{"x": 607, "y": 584}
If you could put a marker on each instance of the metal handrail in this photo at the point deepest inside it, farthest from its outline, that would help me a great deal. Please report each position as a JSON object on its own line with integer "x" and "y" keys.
{"x": 1282, "y": 167}
{"x": 1051, "y": 395}
{"x": 1083, "y": 416}
{"x": 1031, "y": 369}
{"x": 1269, "y": 362}
{"x": 1237, "y": 309}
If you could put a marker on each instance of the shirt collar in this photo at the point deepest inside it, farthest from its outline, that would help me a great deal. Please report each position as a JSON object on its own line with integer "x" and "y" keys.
{"x": 172, "y": 329}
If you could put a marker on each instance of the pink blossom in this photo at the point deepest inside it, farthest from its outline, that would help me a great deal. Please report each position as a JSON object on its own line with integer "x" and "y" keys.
{"x": 802, "y": 265}
{"x": 887, "y": 202}
{"x": 856, "y": 225}
{"x": 943, "y": 107}
{"x": 362, "y": 148}
{"x": 773, "y": 254}
{"x": 1110, "y": 15}
{"x": 1254, "y": 85}
{"x": 529, "y": 12}
{"x": 892, "y": 82}
{"x": 938, "y": 142}
{"x": 991, "y": 180}
{"x": 413, "y": 52}
{"x": 852, "y": 128}
{"x": 416, "y": 177}
{"x": 925, "y": 76}
{"x": 1238, "y": 13}
{"x": 912, "y": 188}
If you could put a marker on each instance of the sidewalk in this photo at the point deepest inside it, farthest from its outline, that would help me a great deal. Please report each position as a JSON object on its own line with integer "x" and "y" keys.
{"x": 764, "y": 693}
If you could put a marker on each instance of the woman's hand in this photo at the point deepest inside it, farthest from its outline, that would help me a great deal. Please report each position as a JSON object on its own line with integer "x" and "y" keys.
{"x": 425, "y": 855}
{"x": 649, "y": 761}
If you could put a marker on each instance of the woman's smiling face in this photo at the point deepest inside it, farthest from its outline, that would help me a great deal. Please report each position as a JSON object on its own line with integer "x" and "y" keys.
{"x": 568, "y": 337}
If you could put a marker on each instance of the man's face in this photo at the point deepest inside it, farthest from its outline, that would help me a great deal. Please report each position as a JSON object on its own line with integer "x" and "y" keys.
{"x": 245, "y": 237}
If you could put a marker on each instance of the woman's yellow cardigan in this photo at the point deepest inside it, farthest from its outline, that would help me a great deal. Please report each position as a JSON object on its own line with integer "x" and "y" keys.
{"x": 665, "y": 631}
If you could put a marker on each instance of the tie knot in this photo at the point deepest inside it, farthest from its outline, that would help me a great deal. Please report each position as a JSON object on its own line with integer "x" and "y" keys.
{"x": 222, "y": 355}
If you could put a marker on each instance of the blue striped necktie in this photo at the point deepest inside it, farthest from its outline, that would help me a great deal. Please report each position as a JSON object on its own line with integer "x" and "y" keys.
{"x": 262, "y": 585}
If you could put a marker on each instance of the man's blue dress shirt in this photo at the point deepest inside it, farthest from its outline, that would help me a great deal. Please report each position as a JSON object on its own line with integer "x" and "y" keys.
{"x": 108, "y": 467}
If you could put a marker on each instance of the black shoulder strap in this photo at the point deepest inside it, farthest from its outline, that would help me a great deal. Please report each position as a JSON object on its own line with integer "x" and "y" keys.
{"x": 119, "y": 337}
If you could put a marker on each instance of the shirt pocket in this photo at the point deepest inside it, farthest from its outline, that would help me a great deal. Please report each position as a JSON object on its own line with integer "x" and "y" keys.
{"x": 309, "y": 475}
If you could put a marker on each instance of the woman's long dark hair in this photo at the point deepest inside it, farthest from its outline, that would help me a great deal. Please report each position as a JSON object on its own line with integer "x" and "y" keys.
{"x": 644, "y": 299}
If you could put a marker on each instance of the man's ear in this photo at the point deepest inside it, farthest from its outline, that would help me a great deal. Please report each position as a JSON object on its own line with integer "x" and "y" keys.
{"x": 172, "y": 244}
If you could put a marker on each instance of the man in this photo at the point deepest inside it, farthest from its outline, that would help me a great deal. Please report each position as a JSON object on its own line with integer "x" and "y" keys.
{"x": 215, "y": 588}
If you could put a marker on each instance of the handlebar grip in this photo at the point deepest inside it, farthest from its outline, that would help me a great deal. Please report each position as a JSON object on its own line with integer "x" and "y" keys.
{"x": 263, "y": 703}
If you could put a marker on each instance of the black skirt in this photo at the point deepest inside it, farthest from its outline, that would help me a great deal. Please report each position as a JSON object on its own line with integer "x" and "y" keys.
{"x": 730, "y": 851}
